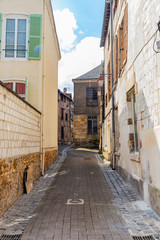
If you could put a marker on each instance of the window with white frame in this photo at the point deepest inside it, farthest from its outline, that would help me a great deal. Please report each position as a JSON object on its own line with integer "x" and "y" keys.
{"x": 20, "y": 36}
{"x": 15, "y": 42}
{"x": 18, "y": 87}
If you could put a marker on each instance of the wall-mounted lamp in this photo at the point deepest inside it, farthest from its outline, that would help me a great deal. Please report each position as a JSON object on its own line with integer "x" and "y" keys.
{"x": 156, "y": 44}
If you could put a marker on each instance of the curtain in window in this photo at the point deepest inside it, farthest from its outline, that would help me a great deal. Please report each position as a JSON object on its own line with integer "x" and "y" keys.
{"x": 9, "y": 85}
{"x": 20, "y": 88}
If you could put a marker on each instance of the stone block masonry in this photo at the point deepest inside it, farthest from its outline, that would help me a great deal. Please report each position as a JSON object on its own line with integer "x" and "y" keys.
{"x": 20, "y": 138}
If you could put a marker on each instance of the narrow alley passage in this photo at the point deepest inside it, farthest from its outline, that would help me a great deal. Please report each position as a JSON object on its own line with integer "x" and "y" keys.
{"x": 109, "y": 209}
{"x": 79, "y": 178}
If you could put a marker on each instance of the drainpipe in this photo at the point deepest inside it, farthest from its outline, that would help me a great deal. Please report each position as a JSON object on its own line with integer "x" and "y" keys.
{"x": 43, "y": 79}
{"x": 112, "y": 74}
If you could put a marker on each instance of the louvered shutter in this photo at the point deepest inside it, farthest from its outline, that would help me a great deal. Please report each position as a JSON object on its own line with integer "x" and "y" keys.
{"x": 125, "y": 35}
{"x": 35, "y": 29}
{"x": 119, "y": 52}
{"x": 114, "y": 60}
{"x": 0, "y": 31}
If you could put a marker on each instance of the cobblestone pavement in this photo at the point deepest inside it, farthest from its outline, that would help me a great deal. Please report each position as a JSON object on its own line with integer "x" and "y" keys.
{"x": 139, "y": 217}
{"x": 17, "y": 217}
{"x": 98, "y": 218}
{"x": 111, "y": 210}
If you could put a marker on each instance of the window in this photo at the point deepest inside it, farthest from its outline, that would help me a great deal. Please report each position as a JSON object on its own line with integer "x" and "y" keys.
{"x": 66, "y": 114}
{"x": 62, "y": 132}
{"x": 92, "y": 97}
{"x": 132, "y": 120}
{"x": 20, "y": 36}
{"x": 92, "y": 125}
{"x": 123, "y": 41}
{"x": 115, "y": 4}
{"x": 109, "y": 39}
{"x": 115, "y": 59}
{"x": 17, "y": 87}
{"x": 109, "y": 80}
{"x": 62, "y": 113}
{"x": 15, "y": 39}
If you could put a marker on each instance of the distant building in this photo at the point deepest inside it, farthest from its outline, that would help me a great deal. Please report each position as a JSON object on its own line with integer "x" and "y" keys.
{"x": 65, "y": 119}
{"x": 86, "y": 125}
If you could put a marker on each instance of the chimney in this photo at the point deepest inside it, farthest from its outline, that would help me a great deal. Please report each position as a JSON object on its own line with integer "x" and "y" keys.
{"x": 65, "y": 90}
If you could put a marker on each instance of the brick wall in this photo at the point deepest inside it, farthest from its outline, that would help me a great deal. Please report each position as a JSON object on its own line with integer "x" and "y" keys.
{"x": 19, "y": 145}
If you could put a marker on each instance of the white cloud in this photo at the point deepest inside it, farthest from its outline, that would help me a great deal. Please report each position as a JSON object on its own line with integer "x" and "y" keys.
{"x": 82, "y": 59}
{"x": 81, "y": 32}
{"x": 65, "y": 24}
{"x": 76, "y": 59}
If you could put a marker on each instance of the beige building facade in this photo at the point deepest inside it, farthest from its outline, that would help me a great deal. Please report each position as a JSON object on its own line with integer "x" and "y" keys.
{"x": 135, "y": 149}
{"x": 29, "y": 55}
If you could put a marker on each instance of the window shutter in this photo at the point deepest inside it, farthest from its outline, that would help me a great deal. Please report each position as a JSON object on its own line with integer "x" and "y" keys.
{"x": 35, "y": 29}
{"x": 125, "y": 35}
{"x": 0, "y": 31}
{"x": 114, "y": 60}
{"x": 119, "y": 52}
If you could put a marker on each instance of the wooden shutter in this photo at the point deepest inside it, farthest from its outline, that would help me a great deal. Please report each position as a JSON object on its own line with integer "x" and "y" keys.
{"x": 35, "y": 29}
{"x": 125, "y": 35}
{"x": 0, "y": 31}
{"x": 114, "y": 59}
{"x": 119, "y": 51}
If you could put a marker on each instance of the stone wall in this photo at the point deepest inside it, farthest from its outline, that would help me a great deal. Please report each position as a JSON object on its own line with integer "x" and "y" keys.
{"x": 50, "y": 156}
{"x": 141, "y": 73}
{"x": 80, "y": 135}
{"x": 80, "y": 98}
{"x": 20, "y": 132}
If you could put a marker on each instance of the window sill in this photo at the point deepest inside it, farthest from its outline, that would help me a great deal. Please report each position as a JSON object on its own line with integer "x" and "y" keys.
{"x": 135, "y": 157}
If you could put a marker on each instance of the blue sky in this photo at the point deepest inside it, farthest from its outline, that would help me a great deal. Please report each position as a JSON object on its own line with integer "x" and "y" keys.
{"x": 79, "y": 25}
{"x": 89, "y": 15}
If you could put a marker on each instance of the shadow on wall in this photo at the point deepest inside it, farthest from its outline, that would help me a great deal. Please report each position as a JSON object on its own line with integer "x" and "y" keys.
{"x": 139, "y": 161}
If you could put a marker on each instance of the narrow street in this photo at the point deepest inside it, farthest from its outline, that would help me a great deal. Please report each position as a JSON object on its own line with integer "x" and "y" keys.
{"x": 109, "y": 208}
{"x": 79, "y": 178}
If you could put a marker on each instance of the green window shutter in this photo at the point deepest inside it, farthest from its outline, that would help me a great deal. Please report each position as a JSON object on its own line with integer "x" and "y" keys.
{"x": 0, "y": 31}
{"x": 35, "y": 29}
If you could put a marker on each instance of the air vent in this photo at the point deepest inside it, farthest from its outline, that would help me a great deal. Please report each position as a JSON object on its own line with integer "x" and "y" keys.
{"x": 148, "y": 237}
{"x": 10, "y": 237}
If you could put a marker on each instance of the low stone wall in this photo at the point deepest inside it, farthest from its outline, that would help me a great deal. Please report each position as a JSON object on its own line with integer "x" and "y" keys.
{"x": 136, "y": 183}
{"x": 50, "y": 156}
{"x": 12, "y": 178}
{"x": 20, "y": 138}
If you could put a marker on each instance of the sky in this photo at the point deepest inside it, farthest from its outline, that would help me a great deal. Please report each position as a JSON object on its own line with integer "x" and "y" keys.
{"x": 79, "y": 26}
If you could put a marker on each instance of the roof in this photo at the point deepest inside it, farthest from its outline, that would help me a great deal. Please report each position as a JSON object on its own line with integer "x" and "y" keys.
{"x": 92, "y": 74}
{"x": 105, "y": 24}
{"x": 65, "y": 95}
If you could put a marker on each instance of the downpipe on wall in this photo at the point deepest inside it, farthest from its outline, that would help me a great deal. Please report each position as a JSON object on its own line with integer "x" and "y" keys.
{"x": 43, "y": 79}
{"x": 112, "y": 75}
